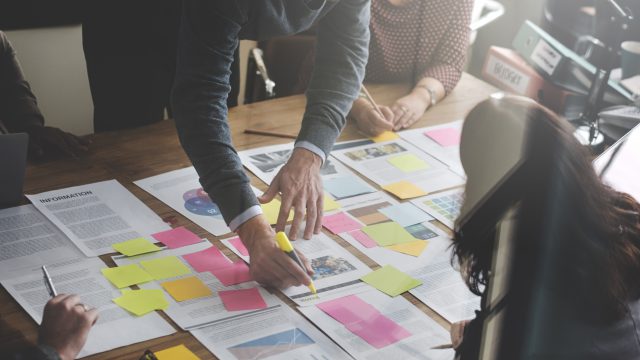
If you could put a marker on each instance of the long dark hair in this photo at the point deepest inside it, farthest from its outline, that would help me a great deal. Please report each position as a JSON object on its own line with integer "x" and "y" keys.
{"x": 602, "y": 270}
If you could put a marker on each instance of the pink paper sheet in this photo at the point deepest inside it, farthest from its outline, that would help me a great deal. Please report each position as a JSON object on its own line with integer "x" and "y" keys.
{"x": 339, "y": 223}
{"x": 363, "y": 239}
{"x": 177, "y": 237}
{"x": 237, "y": 243}
{"x": 445, "y": 136}
{"x": 245, "y": 299}
{"x": 349, "y": 309}
{"x": 236, "y": 273}
{"x": 207, "y": 260}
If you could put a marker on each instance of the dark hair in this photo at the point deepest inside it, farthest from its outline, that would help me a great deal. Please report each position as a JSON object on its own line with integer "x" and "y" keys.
{"x": 602, "y": 267}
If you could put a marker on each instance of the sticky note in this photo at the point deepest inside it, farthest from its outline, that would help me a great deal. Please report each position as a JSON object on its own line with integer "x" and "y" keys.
{"x": 363, "y": 239}
{"x": 339, "y": 223}
{"x": 330, "y": 204}
{"x": 237, "y": 243}
{"x": 414, "y": 248}
{"x": 348, "y": 309}
{"x": 445, "y": 136}
{"x": 385, "y": 136}
{"x": 140, "y": 302}
{"x": 390, "y": 280}
{"x": 406, "y": 214}
{"x": 179, "y": 352}
{"x": 243, "y": 299}
{"x": 165, "y": 267}
{"x": 404, "y": 190}
{"x": 177, "y": 237}
{"x": 236, "y": 273}
{"x": 379, "y": 331}
{"x": 408, "y": 163}
{"x": 124, "y": 276}
{"x": 388, "y": 233}
{"x": 207, "y": 259}
{"x": 135, "y": 247}
{"x": 186, "y": 288}
{"x": 271, "y": 211}
{"x": 346, "y": 186}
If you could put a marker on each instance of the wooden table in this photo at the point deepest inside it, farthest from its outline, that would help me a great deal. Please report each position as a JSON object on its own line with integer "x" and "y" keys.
{"x": 139, "y": 153}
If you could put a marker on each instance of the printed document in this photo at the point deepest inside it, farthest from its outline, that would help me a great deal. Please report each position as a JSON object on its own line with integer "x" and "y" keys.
{"x": 450, "y": 155}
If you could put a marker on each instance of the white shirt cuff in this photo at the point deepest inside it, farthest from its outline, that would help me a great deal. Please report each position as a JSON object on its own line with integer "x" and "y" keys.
{"x": 245, "y": 216}
{"x": 314, "y": 149}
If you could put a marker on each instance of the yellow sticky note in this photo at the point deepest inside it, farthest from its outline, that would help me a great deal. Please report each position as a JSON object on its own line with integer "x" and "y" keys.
{"x": 186, "y": 289}
{"x": 408, "y": 163}
{"x": 404, "y": 190}
{"x": 271, "y": 211}
{"x": 179, "y": 352}
{"x": 165, "y": 267}
{"x": 388, "y": 233}
{"x": 330, "y": 204}
{"x": 135, "y": 247}
{"x": 124, "y": 276}
{"x": 140, "y": 302}
{"x": 385, "y": 136}
{"x": 414, "y": 248}
{"x": 390, "y": 280}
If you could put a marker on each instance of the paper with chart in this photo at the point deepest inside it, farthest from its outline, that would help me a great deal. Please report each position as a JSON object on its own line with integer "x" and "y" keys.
{"x": 337, "y": 271}
{"x": 444, "y": 206}
{"x": 29, "y": 240}
{"x": 95, "y": 216}
{"x": 115, "y": 326}
{"x": 200, "y": 311}
{"x": 277, "y": 332}
{"x": 442, "y": 142}
{"x": 423, "y": 332}
{"x": 398, "y": 161}
{"x": 181, "y": 190}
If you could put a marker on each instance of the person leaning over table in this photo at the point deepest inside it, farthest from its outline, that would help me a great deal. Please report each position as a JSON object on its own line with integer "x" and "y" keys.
{"x": 209, "y": 34}
{"x": 19, "y": 111}
{"x": 596, "y": 286}
{"x": 66, "y": 323}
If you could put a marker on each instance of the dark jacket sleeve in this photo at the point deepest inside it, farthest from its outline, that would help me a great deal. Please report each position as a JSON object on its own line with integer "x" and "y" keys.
{"x": 18, "y": 106}
{"x": 40, "y": 352}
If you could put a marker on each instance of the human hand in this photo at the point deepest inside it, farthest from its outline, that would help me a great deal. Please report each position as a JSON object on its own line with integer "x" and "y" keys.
{"x": 65, "y": 325}
{"x": 269, "y": 264}
{"x": 457, "y": 332}
{"x": 300, "y": 186}
{"x": 369, "y": 121}
{"x": 43, "y": 140}
{"x": 408, "y": 109}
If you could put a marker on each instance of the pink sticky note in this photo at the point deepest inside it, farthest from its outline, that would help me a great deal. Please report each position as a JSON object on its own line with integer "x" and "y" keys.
{"x": 207, "y": 260}
{"x": 379, "y": 331}
{"x": 237, "y": 243}
{"x": 177, "y": 237}
{"x": 245, "y": 299}
{"x": 445, "y": 136}
{"x": 339, "y": 223}
{"x": 236, "y": 273}
{"x": 363, "y": 239}
{"x": 348, "y": 310}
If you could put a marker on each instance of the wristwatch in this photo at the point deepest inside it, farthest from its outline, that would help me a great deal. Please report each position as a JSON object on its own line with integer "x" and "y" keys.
{"x": 432, "y": 94}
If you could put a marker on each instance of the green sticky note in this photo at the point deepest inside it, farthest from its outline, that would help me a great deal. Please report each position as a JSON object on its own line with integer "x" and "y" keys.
{"x": 391, "y": 281}
{"x": 388, "y": 233}
{"x": 408, "y": 163}
{"x": 124, "y": 276}
{"x": 165, "y": 267}
{"x": 135, "y": 247}
{"x": 140, "y": 302}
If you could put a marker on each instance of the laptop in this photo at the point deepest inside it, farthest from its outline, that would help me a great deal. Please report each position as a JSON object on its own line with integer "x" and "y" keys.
{"x": 13, "y": 163}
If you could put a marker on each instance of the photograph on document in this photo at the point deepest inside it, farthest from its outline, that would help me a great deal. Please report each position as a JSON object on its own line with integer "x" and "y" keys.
{"x": 272, "y": 344}
{"x": 369, "y": 214}
{"x": 374, "y": 152}
{"x": 444, "y": 206}
{"x": 327, "y": 266}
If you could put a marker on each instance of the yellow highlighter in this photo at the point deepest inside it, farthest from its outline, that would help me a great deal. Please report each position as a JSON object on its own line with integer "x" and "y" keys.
{"x": 285, "y": 245}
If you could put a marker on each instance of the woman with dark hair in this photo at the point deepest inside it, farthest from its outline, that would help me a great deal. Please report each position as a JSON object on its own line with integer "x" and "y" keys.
{"x": 596, "y": 281}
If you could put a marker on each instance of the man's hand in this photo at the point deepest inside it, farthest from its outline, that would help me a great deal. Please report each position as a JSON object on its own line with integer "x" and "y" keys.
{"x": 300, "y": 186}
{"x": 46, "y": 142}
{"x": 65, "y": 325}
{"x": 269, "y": 264}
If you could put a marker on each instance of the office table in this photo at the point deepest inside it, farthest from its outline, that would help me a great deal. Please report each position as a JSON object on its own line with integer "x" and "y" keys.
{"x": 134, "y": 154}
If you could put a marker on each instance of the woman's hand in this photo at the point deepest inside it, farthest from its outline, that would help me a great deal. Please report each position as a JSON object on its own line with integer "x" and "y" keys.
{"x": 408, "y": 109}
{"x": 369, "y": 120}
{"x": 457, "y": 333}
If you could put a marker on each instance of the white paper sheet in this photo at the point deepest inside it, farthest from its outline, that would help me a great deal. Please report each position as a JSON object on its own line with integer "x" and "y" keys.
{"x": 115, "y": 326}
{"x": 276, "y": 333}
{"x": 449, "y": 155}
{"x": 181, "y": 190}
{"x": 95, "y": 216}
{"x": 28, "y": 240}
{"x": 444, "y": 206}
{"x": 425, "y": 332}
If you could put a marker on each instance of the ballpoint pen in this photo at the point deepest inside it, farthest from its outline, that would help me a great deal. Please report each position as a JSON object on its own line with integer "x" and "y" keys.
{"x": 48, "y": 282}
{"x": 285, "y": 245}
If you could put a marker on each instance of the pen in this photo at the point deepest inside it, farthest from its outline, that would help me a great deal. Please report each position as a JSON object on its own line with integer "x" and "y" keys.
{"x": 285, "y": 245}
{"x": 441, "y": 347}
{"x": 270, "y": 133}
{"x": 371, "y": 101}
{"x": 48, "y": 282}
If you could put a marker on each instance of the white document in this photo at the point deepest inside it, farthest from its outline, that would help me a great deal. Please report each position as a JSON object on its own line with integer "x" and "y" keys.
{"x": 115, "y": 326}
{"x": 28, "y": 240}
{"x": 449, "y": 155}
{"x": 275, "y": 333}
{"x": 203, "y": 311}
{"x": 95, "y": 216}
{"x": 337, "y": 271}
{"x": 374, "y": 162}
{"x": 181, "y": 190}
{"x": 425, "y": 332}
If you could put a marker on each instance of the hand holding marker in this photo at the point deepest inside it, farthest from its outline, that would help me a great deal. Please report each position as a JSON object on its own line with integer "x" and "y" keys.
{"x": 285, "y": 245}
